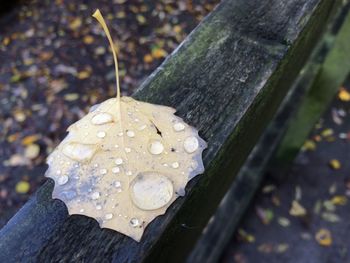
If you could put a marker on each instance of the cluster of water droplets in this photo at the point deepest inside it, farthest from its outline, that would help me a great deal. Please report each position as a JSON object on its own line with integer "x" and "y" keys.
{"x": 149, "y": 187}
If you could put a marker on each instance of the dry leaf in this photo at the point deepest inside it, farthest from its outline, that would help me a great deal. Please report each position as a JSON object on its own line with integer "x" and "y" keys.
{"x": 335, "y": 164}
{"x": 343, "y": 94}
{"x": 125, "y": 162}
{"x": 22, "y": 187}
{"x": 32, "y": 151}
{"x": 297, "y": 209}
{"x": 324, "y": 237}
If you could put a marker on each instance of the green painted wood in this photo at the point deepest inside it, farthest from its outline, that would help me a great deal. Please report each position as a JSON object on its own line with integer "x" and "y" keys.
{"x": 227, "y": 79}
{"x": 331, "y": 75}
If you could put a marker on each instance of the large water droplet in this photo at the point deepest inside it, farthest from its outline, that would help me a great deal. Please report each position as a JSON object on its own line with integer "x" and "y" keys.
{"x": 191, "y": 144}
{"x": 155, "y": 147}
{"x": 150, "y": 191}
{"x": 62, "y": 180}
{"x": 130, "y": 134}
{"x": 179, "y": 126}
{"x": 78, "y": 151}
{"x": 102, "y": 118}
{"x": 134, "y": 222}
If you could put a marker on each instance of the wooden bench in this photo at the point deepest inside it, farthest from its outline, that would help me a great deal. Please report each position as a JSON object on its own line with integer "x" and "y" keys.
{"x": 228, "y": 79}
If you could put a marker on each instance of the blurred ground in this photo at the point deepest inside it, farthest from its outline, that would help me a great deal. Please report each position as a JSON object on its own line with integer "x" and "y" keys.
{"x": 55, "y": 64}
{"x": 304, "y": 218}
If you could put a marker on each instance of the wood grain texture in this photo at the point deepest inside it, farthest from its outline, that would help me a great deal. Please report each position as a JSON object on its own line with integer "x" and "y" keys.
{"x": 227, "y": 79}
{"x": 221, "y": 226}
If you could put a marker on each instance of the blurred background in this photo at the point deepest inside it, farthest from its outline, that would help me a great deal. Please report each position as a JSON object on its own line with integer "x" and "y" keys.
{"x": 55, "y": 64}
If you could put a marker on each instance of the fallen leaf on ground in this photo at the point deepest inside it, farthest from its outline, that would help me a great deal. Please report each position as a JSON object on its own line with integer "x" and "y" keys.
{"x": 343, "y": 94}
{"x": 335, "y": 164}
{"x": 297, "y": 209}
{"x": 22, "y": 187}
{"x": 324, "y": 237}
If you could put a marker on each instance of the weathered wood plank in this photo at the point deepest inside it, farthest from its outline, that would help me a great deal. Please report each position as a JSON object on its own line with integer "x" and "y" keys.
{"x": 223, "y": 223}
{"x": 227, "y": 79}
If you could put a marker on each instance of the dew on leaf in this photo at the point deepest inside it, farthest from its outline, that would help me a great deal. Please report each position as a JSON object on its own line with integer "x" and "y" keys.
{"x": 150, "y": 191}
{"x": 102, "y": 118}
{"x": 155, "y": 147}
{"x": 191, "y": 144}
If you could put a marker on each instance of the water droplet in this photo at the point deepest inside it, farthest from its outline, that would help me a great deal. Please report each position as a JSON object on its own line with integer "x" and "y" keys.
{"x": 115, "y": 170}
{"x": 127, "y": 149}
{"x": 101, "y": 134}
{"x": 79, "y": 152}
{"x": 109, "y": 216}
{"x": 191, "y": 144}
{"x": 58, "y": 172}
{"x": 134, "y": 222}
{"x": 175, "y": 165}
{"x": 69, "y": 195}
{"x": 95, "y": 195}
{"x": 96, "y": 165}
{"x": 136, "y": 120}
{"x": 142, "y": 127}
{"x": 179, "y": 126}
{"x": 130, "y": 134}
{"x": 117, "y": 184}
{"x": 118, "y": 161}
{"x": 150, "y": 191}
{"x": 82, "y": 210}
{"x": 103, "y": 171}
{"x": 98, "y": 207}
{"x": 102, "y": 118}
{"x": 155, "y": 147}
{"x": 62, "y": 180}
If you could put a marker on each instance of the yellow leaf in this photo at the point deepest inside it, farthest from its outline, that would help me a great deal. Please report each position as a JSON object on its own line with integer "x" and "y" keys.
{"x": 71, "y": 96}
{"x": 126, "y": 161}
{"x": 343, "y": 94}
{"x": 148, "y": 58}
{"x": 141, "y": 19}
{"x": 83, "y": 75}
{"x": 297, "y": 209}
{"x": 19, "y": 116}
{"x": 309, "y": 145}
{"x": 32, "y": 151}
{"x": 30, "y": 139}
{"x": 13, "y": 137}
{"x": 339, "y": 200}
{"x": 324, "y": 237}
{"x": 327, "y": 132}
{"x": 177, "y": 29}
{"x": 75, "y": 24}
{"x": 158, "y": 53}
{"x": 88, "y": 39}
{"x": 335, "y": 164}
{"x": 22, "y": 187}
